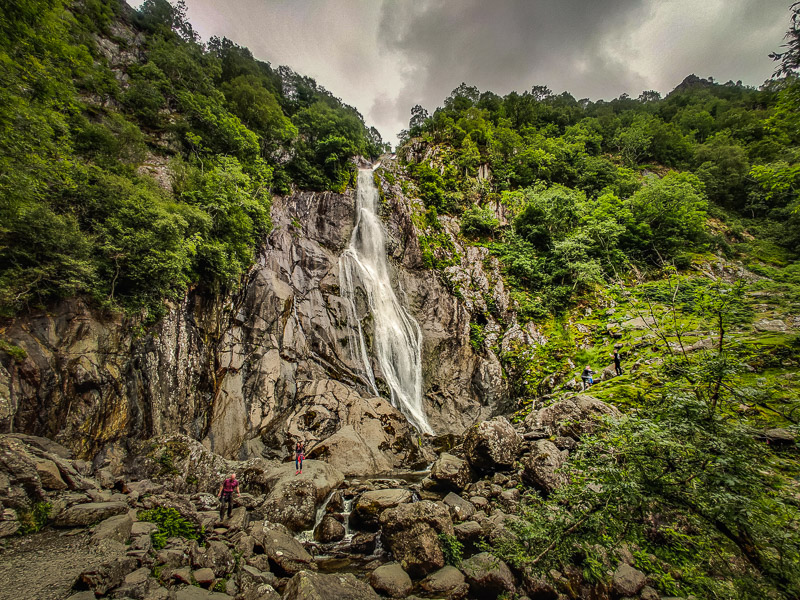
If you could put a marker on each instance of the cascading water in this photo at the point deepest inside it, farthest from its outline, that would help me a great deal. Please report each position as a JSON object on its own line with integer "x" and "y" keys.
{"x": 397, "y": 339}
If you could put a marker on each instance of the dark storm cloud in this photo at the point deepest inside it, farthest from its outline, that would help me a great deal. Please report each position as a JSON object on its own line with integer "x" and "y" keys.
{"x": 596, "y": 49}
{"x": 384, "y": 56}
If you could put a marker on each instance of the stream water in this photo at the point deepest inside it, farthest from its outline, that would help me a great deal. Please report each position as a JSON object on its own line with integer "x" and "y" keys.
{"x": 397, "y": 338}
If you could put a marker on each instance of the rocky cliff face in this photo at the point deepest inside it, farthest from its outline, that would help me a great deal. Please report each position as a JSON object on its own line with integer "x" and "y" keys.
{"x": 248, "y": 373}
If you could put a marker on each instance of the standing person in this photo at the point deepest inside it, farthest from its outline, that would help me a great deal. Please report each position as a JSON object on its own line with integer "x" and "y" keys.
{"x": 617, "y": 361}
{"x": 226, "y": 490}
{"x": 586, "y": 377}
{"x": 299, "y": 457}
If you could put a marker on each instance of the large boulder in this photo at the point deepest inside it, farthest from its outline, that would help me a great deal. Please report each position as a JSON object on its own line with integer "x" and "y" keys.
{"x": 447, "y": 582}
{"x": 541, "y": 467}
{"x": 293, "y": 499}
{"x": 317, "y": 586}
{"x": 492, "y": 445}
{"x": 628, "y": 581}
{"x": 488, "y": 576}
{"x": 350, "y": 452}
{"x": 369, "y": 506}
{"x": 286, "y": 554}
{"x": 81, "y": 515}
{"x": 450, "y": 472}
{"x": 411, "y": 533}
{"x": 329, "y": 530}
{"x": 391, "y": 580}
{"x": 571, "y": 417}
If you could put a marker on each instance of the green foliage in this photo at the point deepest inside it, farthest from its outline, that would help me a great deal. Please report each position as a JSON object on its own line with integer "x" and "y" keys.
{"x": 13, "y": 351}
{"x": 478, "y": 221}
{"x": 476, "y": 336}
{"x": 78, "y": 219}
{"x": 170, "y": 524}
{"x": 452, "y": 549}
{"x": 35, "y": 518}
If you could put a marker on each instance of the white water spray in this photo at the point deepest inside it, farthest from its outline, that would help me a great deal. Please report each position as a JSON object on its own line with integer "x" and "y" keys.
{"x": 397, "y": 339}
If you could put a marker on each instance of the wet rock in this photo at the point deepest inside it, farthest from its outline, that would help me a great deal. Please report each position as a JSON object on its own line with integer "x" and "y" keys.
{"x": 390, "y": 579}
{"x": 369, "y": 506}
{"x": 286, "y": 554}
{"x": 316, "y": 586}
{"x": 540, "y": 468}
{"x": 411, "y": 534}
{"x": 114, "y": 528}
{"x": 628, "y": 581}
{"x": 329, "y": 530}
{"x": 448, "y": 582}
{"x": 363, "y": 543}
{"x": 492, "y": 445}
{"x": 460, "y": 509}
{"x": 81, "y": 515}
{"x": 451, "y": 472}
{"x": 488, "y": 576}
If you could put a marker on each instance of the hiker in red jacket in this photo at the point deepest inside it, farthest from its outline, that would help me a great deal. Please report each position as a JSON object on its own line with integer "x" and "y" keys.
{"x": 299, "y": 457}
{"x": 226, "y": 490}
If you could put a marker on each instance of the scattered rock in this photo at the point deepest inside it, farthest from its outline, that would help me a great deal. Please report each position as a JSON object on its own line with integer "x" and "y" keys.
{"x": 448, "y": 582}
{"x": 316, "y": 586}
{"x": 391, "y": 580}
{"x": 369, "y": 506}
{"x": 540, "y": 467}
{"x": 107, "y": 576}
{"x": 81, "y": 515}
{"x": 451, "y": 472}
{"x": 205, "y": 577}
{"x": 460, "y": 509}
{"x": 488, "y": 576}
{"x": 114, "y": 528}
{"x": 411, "y": 533}
{"x": 628, "y": 581}
{"x": 492, "y": 444}
{"x": 286, "y": 553}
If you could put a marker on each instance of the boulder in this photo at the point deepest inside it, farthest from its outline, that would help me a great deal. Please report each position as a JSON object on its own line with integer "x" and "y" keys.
{"x": 293, "y": 499}
{"x": 447, "y": 582}
{"x": 391, "y": 580}
{"x": 468, "y": 533}
{"x": 450, "y": 472}
{"x": 286, "y": 554}
{"x": 492, "y": 445}
{"x": 541, "y": 465}
{"x": 350, "y": 453}
{"x": 329, "y": 530}
{"x": 368, "y": 507}
{"x": 317, "y": 586}
{"x": 193, "y": 592}
{"x": 9, "y": 522}
{"x": 205, "y": 577}
{"x": 460, "y": 509}
{"x": 81, "y": 515}
{"x": 20, "y": 479}
{"x": 571, "y": 417}
{"x": 780, "y": 437}
{"x": 114, "y": 528}
{"x": 107, "y": 576}
{"x": 49, "y": 475}
{"x": 772, "y": 325}
{"x": 411, "y": 532}
{"x": 628, "y": 581}
{"x": 488, "y": 576}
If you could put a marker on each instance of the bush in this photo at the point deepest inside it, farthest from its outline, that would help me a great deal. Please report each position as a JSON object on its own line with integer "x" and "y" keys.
{"x": 452, "y": 549}
{"x": 35, "y": 518}
{"x": 170, "y": 524}
{"x": 478, "y": 221}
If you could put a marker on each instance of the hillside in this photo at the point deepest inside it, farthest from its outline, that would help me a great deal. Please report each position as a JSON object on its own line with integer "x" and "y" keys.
{"x": 205, "y": 260}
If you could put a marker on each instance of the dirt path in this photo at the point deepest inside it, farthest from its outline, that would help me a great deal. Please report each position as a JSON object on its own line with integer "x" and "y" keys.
{"x": 44, "y": 566}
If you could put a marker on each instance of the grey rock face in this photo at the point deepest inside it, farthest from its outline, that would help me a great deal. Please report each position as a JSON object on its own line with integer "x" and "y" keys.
{"x": 249, "y": 373}
{"x": 492, "y": 444}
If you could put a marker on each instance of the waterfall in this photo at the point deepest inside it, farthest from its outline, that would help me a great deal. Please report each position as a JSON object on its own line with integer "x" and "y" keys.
{"x": 397, "y": 338}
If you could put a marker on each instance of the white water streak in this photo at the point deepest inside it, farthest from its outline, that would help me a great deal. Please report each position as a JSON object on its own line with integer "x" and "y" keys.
{"x": 397, "y": 338}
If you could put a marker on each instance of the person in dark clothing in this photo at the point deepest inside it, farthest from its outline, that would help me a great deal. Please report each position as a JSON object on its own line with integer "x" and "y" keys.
{"x": 617, "y": 362}
{"x": 226, "y": 490}
{"x": 299, "y": 457}
{"x": 586, "y": 377}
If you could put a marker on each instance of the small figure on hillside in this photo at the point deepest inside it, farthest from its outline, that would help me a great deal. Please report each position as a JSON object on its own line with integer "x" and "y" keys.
{"x": 299, "y": 457}
{"x": 617, "y": 361}
{"x": 586, "y": 377}
{"x": 226, "y": 490}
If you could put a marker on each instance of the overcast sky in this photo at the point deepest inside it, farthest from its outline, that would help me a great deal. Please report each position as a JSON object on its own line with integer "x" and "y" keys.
{"x": 385, "y": 56}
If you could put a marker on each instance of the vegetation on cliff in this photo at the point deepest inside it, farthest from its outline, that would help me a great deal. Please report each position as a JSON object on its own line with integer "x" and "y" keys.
{"x": 95, "y": 98}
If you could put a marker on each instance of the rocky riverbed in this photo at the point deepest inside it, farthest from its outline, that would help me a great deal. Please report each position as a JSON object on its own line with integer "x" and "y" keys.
{"x": 317, "y": 535}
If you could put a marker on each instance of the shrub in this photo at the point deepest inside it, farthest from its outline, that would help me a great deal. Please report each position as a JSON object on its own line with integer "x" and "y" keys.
{"x": 170, "y": 524}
